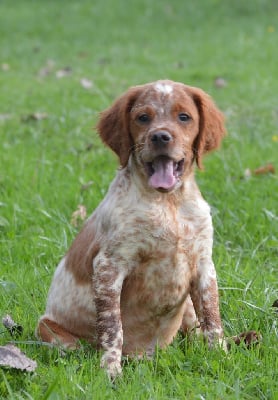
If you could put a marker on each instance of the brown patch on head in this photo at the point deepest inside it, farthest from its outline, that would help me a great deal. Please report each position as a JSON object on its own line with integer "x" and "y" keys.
{"x": 164, "y": 106}
{"x": 113, "y": 125}
{"x": 211, "y": 128}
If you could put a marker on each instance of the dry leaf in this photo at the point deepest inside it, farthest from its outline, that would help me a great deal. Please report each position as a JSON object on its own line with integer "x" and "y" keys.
{"x": 249, "y": 338}
{"x": 5, "y": 67}
{"x": 86, "y": 83}
{"x": 179, "y": 65}
{"x": 12, "y": 357}
{"x": 13, "y": 328}
{"x": 247, "y": 173}
{"x": 61, "y": 73}
{"x": 47, "y": 69}
{"x": 220, "y": 82}
{"x": 275, "y": 304}
{"x": 83, "y": 54}
{"x": 103, "y": 61}
{"x": 37, "y": 116}
{"x": 4, "y": 117}
{"x": 79, "y": 214}
{"x": 87, "y": 185}
{"x": 265, "y": 169}
{"x": 89, "y": 146}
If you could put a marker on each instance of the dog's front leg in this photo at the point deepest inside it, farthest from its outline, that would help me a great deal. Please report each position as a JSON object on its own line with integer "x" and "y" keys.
{"x": 107, "y": 281}
{"x": 204, "y": 294}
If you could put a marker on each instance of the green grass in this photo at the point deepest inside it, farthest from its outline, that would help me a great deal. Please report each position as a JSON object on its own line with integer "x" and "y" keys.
{"x": 44, "y": 164}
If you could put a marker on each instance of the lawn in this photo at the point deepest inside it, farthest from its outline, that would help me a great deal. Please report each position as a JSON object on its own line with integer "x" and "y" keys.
{"x": 60, "y": 64}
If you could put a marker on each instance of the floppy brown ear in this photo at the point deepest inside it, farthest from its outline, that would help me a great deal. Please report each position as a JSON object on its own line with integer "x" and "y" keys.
{"x": 113, "y": 125}
{"x": 211, "y": 125}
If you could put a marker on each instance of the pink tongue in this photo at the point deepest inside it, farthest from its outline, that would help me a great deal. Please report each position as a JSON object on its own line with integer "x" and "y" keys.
{"x": 163, "y": 176}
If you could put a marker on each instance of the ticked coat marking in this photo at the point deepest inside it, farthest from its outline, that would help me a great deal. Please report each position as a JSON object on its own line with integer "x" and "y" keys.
{"x": 141, "y": 268}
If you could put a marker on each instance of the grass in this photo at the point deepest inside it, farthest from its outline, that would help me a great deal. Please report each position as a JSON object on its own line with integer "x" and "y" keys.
{"x": 45, "y": 163}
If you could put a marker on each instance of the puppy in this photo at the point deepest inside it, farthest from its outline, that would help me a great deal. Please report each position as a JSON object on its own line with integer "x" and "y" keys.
{"x": 141, "y": 268}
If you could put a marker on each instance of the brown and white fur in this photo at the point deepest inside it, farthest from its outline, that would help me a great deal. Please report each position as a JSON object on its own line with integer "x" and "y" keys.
{"x": 144, "y": 258}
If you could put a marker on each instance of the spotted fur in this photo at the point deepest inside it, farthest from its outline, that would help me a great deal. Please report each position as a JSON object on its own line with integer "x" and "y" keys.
{"x": 141, "y": 268}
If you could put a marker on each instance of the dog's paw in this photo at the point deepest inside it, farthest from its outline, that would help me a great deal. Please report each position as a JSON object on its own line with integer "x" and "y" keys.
{"x": 112, "y": 366}
{"x": 215, "y": 338}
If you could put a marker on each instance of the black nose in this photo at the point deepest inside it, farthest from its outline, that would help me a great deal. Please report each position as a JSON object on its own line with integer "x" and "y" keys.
{"x": 161, "y": 138}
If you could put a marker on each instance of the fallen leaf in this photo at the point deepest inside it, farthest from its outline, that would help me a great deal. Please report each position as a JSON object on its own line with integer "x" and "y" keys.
{"x": 89, "y": 146}
{"x": 275, "y": 138}
{"x": 249, "y": 338}
{"x": 37, "y": 116}
{"x": 220, "y": 82}
{"x": 79, "y": 214}
{"x": 4, "y": 117}
{"x": 61, "y": 73}
{"x": 86, "y": 186}
{"x": 247, "y": 173}
{"x": 13, "y": 357}
{"x": 5, "y": 67}
{"x": 13, "y": 328}
{"x": 82, "y": 54}
{"x": 86, "y": 83}
{"x": 103, "y": 61}
{"x": 179, "y": 65}
{"x": 265, "y": 169}
{"x": 275, "y": 304}
{"x": 47, "y": 69}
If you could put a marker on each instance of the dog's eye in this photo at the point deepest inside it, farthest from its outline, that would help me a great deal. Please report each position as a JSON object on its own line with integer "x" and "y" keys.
{"x": 144, "y": 118}
{"x": 184, "y": 117}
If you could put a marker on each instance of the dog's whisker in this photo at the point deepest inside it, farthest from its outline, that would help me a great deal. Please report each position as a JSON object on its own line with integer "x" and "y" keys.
{"x": 137, "y": 146}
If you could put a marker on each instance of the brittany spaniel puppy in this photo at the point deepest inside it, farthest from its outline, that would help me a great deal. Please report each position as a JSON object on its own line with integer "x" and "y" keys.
{"x": 141, "y": 268}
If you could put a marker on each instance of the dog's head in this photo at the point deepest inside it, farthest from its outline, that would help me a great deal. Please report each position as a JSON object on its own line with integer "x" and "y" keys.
{"x": 164, "y": 126}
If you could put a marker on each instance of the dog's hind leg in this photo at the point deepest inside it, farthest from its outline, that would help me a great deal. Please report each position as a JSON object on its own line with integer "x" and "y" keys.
{"x": 190, "y": 322}
{"x": 51, "y": 332}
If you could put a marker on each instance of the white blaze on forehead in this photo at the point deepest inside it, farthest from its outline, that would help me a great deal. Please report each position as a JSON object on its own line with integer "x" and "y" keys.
{"x": 164, "y": 88}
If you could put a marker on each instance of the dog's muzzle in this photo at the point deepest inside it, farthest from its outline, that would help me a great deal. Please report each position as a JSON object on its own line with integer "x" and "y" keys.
{"x": 164, "y": 172}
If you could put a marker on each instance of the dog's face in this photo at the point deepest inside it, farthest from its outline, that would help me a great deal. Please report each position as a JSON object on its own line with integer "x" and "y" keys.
{"x": 164, "y": 123}
{"x": 165, "y": 126}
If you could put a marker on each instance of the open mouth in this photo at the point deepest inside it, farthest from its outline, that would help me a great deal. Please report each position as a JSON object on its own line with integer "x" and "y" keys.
{"x": 164, "y": 173}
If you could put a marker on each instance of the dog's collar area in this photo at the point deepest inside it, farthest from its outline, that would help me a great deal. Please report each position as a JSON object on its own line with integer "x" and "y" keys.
{"x": 164, "y": 172}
